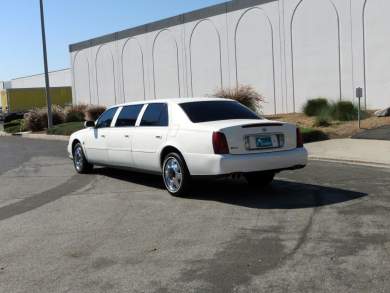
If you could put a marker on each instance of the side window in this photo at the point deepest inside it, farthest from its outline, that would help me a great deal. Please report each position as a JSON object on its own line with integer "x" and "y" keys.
{"x": 128, "y": 116}
{"x": 156, "y": 114}
{"x": 106, "y": 118}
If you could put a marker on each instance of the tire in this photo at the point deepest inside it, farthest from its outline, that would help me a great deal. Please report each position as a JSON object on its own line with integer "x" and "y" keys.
{"x": 260, "y": 179}
{"x": 175, "y": 174}
{"x": 79, "y": 160}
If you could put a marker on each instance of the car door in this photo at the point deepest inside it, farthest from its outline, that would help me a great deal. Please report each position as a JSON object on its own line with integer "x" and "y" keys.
{"x": 95, "y": 143}
{"x": 121, "y": 136}
{"x": 150, "y": 136}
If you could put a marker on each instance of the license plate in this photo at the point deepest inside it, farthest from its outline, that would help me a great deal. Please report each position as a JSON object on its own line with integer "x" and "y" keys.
{"x": 264, "y": 141}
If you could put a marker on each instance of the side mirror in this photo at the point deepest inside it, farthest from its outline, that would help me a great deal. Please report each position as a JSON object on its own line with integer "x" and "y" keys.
{"x": 88, "y": 124}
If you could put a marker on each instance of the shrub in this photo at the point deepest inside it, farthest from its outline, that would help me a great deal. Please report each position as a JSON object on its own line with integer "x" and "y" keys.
{"x": 323, "y": 119}
{"x": 312, "y": 135}
{"x": 57, "y": 114}
{"x": 12, "y": 116}
{"x": 36, "y": 119}
{"x": 75, "y": 113}
{"x": 314, "y": 107}
{"x": 15, "y": 126}
{"x": 92, "y": 113}
{"x": 66, "y": 128}
{"x": 245, "y": 95}
{"x": 23, "y": 126}
{"x": 344, "y": 111}
{"x": 74, "y": 117}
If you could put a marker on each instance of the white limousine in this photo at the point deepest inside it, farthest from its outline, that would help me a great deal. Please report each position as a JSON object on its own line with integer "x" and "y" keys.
{"x": 186, "y": 137}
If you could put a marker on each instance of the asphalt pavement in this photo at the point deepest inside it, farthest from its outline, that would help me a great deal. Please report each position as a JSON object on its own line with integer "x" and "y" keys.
{"x": 380, "y": 133}
{"x": 321, "y": 229}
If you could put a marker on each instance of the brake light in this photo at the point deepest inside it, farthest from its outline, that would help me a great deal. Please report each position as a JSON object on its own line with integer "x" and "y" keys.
{"x": 220, "y": 143}
{"x": 299, "y": 138}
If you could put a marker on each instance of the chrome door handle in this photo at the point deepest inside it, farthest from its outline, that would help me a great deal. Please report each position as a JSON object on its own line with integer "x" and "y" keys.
{"x": 158, "y": 137}
{"x": 127, "y": 136}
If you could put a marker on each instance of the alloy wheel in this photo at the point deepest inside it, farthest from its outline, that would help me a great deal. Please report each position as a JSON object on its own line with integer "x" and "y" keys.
{"x": 173, "y": 175}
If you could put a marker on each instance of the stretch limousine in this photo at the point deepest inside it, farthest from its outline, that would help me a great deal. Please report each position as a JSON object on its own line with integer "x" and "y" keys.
{"x": 185, "y": 137}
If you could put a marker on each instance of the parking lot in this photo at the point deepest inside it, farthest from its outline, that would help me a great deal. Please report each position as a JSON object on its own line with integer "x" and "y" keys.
{"x": 321, "y": 229}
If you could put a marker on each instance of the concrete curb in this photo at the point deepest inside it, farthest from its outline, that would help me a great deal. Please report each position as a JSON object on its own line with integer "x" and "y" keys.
{"x": 37, "y": 136}
{"x": 2, "y": 133}
{"x": 352, "y": 151}
{"x": 350, "y": 161}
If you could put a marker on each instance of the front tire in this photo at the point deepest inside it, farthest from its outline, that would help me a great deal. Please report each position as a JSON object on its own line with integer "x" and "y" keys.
{"x": 260, "y": 179}
{"x": 175, "y": 174}
{"x": 80, "y": 161}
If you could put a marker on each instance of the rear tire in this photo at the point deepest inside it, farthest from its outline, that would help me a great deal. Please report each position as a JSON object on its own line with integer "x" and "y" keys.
{"x": 260, "y": 179}
{"x": 80, "y": 161}
{"x": 175, "y": 174}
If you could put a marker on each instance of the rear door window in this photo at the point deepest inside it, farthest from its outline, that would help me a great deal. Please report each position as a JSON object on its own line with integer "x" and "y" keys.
{"x": 128, "y": 116}
{"x": 106, "y": 118}
{"x": 156, "y": 114}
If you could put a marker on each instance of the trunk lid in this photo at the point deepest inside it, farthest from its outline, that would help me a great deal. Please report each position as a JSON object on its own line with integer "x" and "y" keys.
{"x": 258, "y": 136}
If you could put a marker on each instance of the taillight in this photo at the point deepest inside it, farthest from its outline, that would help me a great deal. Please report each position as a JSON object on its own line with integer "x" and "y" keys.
{"x": 220, "y": 143}
{"x": 299, "y": 138}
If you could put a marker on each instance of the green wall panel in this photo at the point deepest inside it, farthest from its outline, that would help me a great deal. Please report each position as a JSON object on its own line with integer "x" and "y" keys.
{"x": 26, "y": 99}
{"x": 3, "y": 95}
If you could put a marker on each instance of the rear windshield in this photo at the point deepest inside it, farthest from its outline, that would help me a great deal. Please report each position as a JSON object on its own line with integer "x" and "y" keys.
{"x": 216, "y": 110}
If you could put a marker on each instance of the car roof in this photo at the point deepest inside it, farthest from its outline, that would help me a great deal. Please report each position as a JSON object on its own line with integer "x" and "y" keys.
{"x": 174, "y": 100}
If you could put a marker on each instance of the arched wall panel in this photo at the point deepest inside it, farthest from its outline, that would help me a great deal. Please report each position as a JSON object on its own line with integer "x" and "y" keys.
{"x": 377, "y": 52}
{"x": 81, "y": 75}
{"x": 205, "y": 59}
{"x": 315, "y": 49}
{"x": 133, "y": 71}
{"x": 105, "y": 76}
{"x": 254, "y": 53}
{"x": 166, "y": 66}
{"x": 290, "y": 51}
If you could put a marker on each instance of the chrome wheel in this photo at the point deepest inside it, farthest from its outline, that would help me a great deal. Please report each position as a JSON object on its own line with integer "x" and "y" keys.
{"x": 78, "y": 158}
{"x": 80, "y": 162}
{"x": 173, "y": 175}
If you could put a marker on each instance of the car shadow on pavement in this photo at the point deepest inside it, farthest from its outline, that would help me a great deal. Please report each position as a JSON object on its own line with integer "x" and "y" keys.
{"x": 149, "y": 180}
{"x": 281, "y": 194}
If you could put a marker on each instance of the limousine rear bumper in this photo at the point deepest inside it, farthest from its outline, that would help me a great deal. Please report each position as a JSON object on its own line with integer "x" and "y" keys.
{"x": 209, "y": 165}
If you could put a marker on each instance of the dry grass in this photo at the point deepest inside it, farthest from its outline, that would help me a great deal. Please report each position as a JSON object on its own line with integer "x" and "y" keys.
{"x": 337, "y": 129}
{"x": 245, "y": 95}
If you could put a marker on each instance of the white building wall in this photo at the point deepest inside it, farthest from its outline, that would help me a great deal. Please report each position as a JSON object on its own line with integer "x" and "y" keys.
{"x": 289, "y": 50}
{"x": 60, "y": 78}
